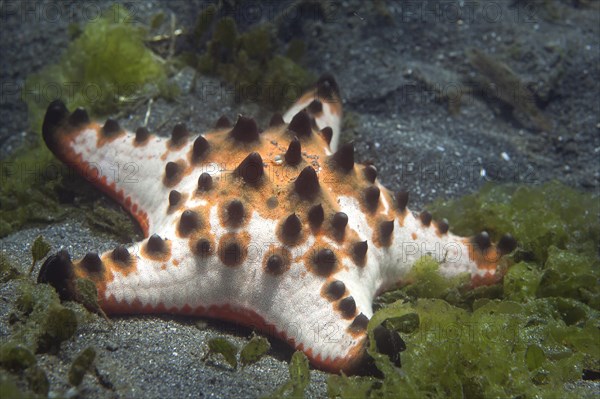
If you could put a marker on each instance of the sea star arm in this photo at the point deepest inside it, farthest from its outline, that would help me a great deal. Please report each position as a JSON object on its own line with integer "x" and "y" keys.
{"x": 127, "y": 166}
{"x": 324, "y": 105}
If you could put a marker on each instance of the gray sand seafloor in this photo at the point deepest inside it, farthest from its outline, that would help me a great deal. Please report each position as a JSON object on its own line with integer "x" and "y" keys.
{"x": 385, "y": 72}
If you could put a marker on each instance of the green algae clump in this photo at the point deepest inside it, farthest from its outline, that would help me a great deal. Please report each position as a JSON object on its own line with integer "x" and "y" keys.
{"x": 298, "y": 381}
{"x": 556, "y": 229}
{"x": 224, "y": 347}
{"x": 425, "y": 280}
{"x": 39, "y": 324}
{"x": 7, "y": 270}
{"x": 27, "y": 193}
{"x": 45, "y": 323}
{"x": 537, "y": 216}
{"x": 81, "y": 365}
{"x": 16, "y": 357}
{"x": 526, "y": 337}
{"x": 254, "y": 350}
{"x": 502, "y": 349}
{"x": 251, "y": 62}
{"x": 106, "y": 67}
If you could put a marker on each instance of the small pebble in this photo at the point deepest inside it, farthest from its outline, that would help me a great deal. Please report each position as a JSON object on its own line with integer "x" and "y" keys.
{"x": 111, "y": 346}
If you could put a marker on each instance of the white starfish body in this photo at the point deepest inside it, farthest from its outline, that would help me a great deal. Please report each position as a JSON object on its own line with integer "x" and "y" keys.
{"x": 267, "y": 229}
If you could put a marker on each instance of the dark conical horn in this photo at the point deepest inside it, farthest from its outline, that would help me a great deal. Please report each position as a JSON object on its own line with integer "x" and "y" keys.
{"x": 307, "y": 182}
{"x": 79, "y": 117}
{"x": 205, "y": 182}
{"x": 359, "y": 250}
{"x": 325, "y": 261}
{"x": 372, "y": 194}
{"x": 223, "y": 123}
{"x": 348, "y": 306}
{"x": 386, "y": 229}
{"x": 327, "y": 87}
{"x": 174, "y": 197}
{"x": 179, "y": 133}
{"x": 120, "y": 254}
{"x": 401, "y": 200}
{"x": 189, "y": 222}
{"x": 327, "y": 133}
{"x": 156, "y": 244}
{"x": 235, "y": 212}
{"x": 482, "y": 240}
{"x": 171, "y": 170}
{"x": 359, "y": 323}
{"x": 339, "y": 221}
{"x": 335, "y": 290}
{"x": 141, "y": 134}
{"x": 275, "y": 264}
{"x": 58, "y": 271}
{"x": 443, "y": 226}
{"x": 293, "y": 155}
{"x": 315, "y": 107}
{"x": 251, "y": 169}
{"x": 276, "y": 120}
{"x": 389, "y": 343}
{"x": 425, "y": 218}
{"x": 291, "y": 226}
{"x": 344, "y": 157}
{"x": 370, "y": 173}
{"x": 507, "y": 244}
{"x": 92, "y": 263}
{"x": 316, "y": 215}
{"x": 55, "y": 115}
{"x": 111, "y": 127}
{"x": 245, "y": 130}
{"x": 200, "y": 148}
{"x": 300, "y": 124}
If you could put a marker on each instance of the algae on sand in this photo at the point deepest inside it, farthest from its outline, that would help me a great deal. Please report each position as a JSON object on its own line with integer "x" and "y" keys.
{"x": 105, "y": 68}
{"x": 539, "y": 330}
{"x": 39, "y": 323}
{"x": 251, "y": 61}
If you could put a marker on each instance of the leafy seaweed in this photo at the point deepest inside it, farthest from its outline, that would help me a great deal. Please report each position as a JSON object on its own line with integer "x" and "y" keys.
{"x": 104, "y": 69}
{"x": 39, "y": 250}
{"x": 81, "y": 365}
{"x": 537, "y": 216}
{"x": 254, "y": 350}
{"x": 224, "y": 347}
{"x": 7, "y": 270}
{"x": 37, "y": 380}
{"x": 45, "y": 322}
{"x": 527, "y": 337}
{"x": 252, "y": 61}
{"x": 14, "y": 356}
{"x": 502, "y": 349}
{"x": 299, "y": 378}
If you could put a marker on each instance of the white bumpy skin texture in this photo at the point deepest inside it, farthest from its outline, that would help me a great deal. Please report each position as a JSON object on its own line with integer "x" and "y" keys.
{"x": 277, "y": 229}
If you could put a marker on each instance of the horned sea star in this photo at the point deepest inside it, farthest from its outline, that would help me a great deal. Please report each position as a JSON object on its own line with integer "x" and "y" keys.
{"x": 271, "y": 229}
